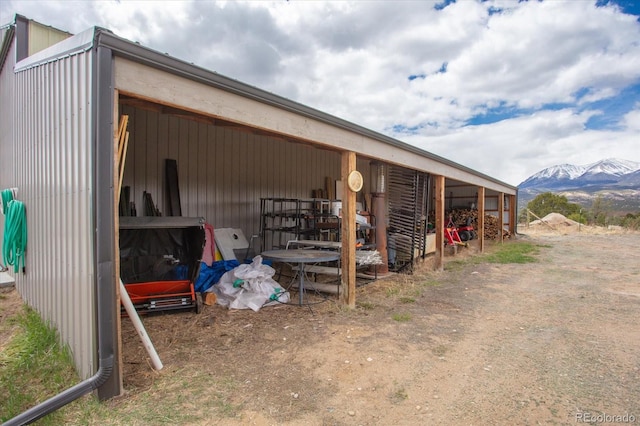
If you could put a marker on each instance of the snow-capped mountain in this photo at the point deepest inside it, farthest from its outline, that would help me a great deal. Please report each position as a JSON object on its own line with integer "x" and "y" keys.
{"x": 614, "y": 179}
{"x": 568, "y": 176}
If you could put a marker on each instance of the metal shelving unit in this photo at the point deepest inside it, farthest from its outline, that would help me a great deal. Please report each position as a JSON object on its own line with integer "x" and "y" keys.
{"x": 286, "y": 219}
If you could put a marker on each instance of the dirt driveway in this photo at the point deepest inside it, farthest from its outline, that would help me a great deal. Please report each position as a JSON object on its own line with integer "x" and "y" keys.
{"x": 552, "y": 342}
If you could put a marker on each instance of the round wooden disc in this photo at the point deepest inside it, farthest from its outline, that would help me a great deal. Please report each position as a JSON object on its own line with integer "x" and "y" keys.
{"x": 355, "y": 181}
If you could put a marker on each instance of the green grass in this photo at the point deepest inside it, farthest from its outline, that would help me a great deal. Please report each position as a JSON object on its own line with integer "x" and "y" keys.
{"x": 393, "y": 291}
{"x": 430, "y": 283}
{"x": 510, "y": 252}
{"x": 367, "y": 306}
{"x": 518, "y": 252}
{"x": 33, "y": 367}
{"x": 403, "y": 317}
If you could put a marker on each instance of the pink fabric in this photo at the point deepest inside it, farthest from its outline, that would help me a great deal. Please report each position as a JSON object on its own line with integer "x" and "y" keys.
{"x": 209, "y": 254}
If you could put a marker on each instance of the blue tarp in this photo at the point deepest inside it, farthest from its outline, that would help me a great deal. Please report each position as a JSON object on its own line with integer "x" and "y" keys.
{"x": 210, "y": 275}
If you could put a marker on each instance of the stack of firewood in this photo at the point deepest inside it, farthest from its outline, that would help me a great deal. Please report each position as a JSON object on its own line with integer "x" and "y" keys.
{"x": 492, "y": 228}
{"x": 491, "y": 223}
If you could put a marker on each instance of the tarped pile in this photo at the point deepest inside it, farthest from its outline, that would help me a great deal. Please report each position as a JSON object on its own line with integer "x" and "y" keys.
{"x": 249, "y": 286}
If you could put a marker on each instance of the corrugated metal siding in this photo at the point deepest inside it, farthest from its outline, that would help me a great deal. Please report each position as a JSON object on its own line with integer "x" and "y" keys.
{"x": 53, "y": 158}
{"x": 7, "y": 165}
{"x": 222, "y": 172}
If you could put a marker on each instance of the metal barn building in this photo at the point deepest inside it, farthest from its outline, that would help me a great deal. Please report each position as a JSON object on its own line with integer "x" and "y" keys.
{"x": 62, "y": 97}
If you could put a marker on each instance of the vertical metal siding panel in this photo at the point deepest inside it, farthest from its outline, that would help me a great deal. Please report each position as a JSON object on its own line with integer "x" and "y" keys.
{"x": 292, "y": 169}
{"x": 279, "y": 179}
{"x": 284, "y": 168}
{"x": 230, "y": 187}
{"x": 223, "y": 151}
{"x": 239, "y": 176}
{"x": 127, "y": 177}
{"x": 172, "y": 148}
{"x": 46, "y": 118}
{"x": 163, "y": 153}
{"x": 201, "y": 170}
{"x": 57, "y": 244}
{"x": 7, "y": 131}
{"x": 138, "y": 149}
{"x": 211, "y": 175}
{"x": 66, "y": 105}
{"x": 215, "y": 185}
{"x": 183, "y": 161}
{"x": 72, "y": 171}
{"x": 223, "y": 185}
{"x": 266, "y": 165}
{"x": 53, "y": 133}
{"x": 190, "y": 187}
{"x": 151, "y": 142}
{"x": 252, "y": 186}
{"x": 39, "y": 143}
{"x": 273, "y": 173}
{"x": 308, "y": 172}
{"x": 248, "y": 183}
{"x": 313, "y": 162}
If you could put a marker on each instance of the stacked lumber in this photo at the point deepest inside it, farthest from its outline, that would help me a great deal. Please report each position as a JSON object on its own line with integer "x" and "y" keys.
{"x": 123, "y": 142}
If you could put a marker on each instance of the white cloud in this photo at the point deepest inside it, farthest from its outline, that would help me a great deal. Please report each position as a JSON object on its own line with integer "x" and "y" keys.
{"x": 631, "y": 122}
{"x": 354, "y": 59}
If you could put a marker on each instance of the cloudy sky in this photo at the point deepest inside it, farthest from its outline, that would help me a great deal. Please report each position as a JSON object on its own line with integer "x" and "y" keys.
{"x": 504, "y": 87}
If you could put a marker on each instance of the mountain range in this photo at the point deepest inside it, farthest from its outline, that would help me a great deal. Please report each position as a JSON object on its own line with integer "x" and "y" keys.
{"x": 614, "y": 180}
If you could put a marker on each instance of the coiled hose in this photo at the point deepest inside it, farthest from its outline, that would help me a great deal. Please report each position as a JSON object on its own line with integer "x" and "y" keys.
{"x": 15, "y": 231}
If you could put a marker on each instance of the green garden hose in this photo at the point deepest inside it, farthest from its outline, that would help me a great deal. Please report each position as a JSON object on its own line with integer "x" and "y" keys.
{"x": 15, "y": 231}
{"x": 7, "y": 197}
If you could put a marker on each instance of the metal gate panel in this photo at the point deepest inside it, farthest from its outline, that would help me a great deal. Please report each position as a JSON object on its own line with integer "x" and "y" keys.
{"x": 408, "y": 206}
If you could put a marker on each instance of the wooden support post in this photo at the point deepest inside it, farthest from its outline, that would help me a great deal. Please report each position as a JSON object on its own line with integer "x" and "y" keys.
{"x": 348, "y": 232}
{"x": 481, "y": 195}
{"x": 439, "y": 226}
{"x": 513, "y": 215}
{"x": 501, "y": 216}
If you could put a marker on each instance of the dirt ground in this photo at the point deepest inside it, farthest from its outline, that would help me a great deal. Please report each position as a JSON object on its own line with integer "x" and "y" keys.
{"x": 552, "y": 342}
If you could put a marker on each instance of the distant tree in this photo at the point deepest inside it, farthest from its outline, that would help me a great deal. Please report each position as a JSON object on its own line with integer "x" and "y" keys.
{"x": 631, "y": 221}
{"x": 600, "y": 209}
{"x": 548, "y": 202}
{"x": 578, "y": 217}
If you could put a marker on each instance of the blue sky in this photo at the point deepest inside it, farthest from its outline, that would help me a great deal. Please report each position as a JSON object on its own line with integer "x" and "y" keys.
{"x": 505, "y": 87}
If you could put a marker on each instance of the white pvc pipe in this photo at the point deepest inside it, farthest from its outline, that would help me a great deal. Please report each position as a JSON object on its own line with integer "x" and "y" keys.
{"x": 135, "y": 318}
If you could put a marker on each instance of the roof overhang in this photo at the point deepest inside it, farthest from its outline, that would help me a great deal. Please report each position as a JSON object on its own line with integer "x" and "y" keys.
{"x": 180, "y": 84}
